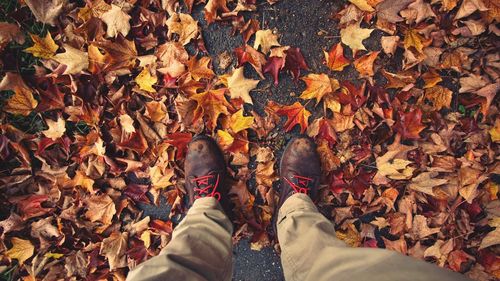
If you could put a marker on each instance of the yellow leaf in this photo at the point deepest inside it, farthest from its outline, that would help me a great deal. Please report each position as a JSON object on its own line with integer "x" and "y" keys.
{"x": 492, "y": 189}
{"x": 224, "y": 138}
{"x": 495, "y": 131}
{"x": 159, "y": 178}
{"x": 146, "y": 81}
{"x": 127, "y": 123}
{"x": 353, "y": 36}
{"x": 21, "y": 250}
{"x": 238, "y": 122}
{"x": 199, "y": 68}
{"x": 318, "y": 85}
{"x": 53, "y": 255}
{"x": 183, "y": 25}
{"x": 43, "y": 47}
{"x": 74, "y": 59}
{"x": 413, "y": 39}
{"x": 439, "y": 96}
{"x": 240, "y": 87}
{"x": 117, "y": 21}
{"x": 22, "y": 102}
{"x": 351, "y": 237}
{"x": 56, "y": 128}
{"x": 362, "y": 5}
{"x": 84, "y": 181}
{"x": 266, "y": 40}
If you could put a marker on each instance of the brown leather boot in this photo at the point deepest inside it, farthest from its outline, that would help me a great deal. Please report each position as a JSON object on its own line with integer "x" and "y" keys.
{"x": 205, "y": 170}
{"x": 300, "y": 170}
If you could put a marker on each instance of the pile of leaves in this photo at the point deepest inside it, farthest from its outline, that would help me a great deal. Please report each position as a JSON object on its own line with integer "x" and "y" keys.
{"x": 99, "y": 99}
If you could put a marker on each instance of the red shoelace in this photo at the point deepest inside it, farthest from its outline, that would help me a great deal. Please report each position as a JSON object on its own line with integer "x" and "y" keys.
{"x": 205, "y": 188}
{"x": 301, "y": 185}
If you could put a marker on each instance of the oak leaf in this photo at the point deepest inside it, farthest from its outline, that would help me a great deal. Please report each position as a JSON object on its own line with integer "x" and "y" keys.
{"x": 43, "y": 47}
{"x": 21, "y": 250}
{"x": 22, "y": 102}
{"x": 296, "y": 114}
{"x": 265, "y": 39}
{"x": 335, "y": 59}
{"x": 317, "y": 86}
{"x": 183, "y": 25}
{"x": 117, "y": 21}
{"x": 240, "y": 87}
{"x": 75, "y": 60}
{"x": 353, "y": 36}
{"x": 101, "y": 208}
{"x": 238, "y": 122}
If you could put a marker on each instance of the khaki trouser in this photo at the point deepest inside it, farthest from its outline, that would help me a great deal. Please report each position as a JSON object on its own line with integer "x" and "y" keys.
{"x": 201, "y": 249}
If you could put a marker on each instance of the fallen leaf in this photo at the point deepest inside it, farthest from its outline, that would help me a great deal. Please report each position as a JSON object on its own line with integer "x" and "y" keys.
{"x": 439, "y": 96}
{"x": 240, "y": 87}
{"x": 238, "y": 122}
{"x": 114, "y": 248}
{"x": 353, "y": 36}
{"x": 362, "y": 5}
{"x": 248, "y": 54}
{"x": 46, "y": 11}
{"x": 210, "y": 105}
{"x": 213, "y": 7}
{"x": 146, "y": 81}
{"x": 413, "y": 40}
{"x": 364, "y": 64}
{"x": 56, "y": 128}
{"x": 21, "y": 250}
{"x": 389, "y": 44}
{"x": 117, "y": 21}
{"x": 199, "y": 69}
{"x": 75, "y": 60}
{"x": 294, "y": 62}
{"x": 296, "y": 114}
{"x": 43, "y": 47}
{"x": 468, "y": 7}
{"x": 317, "y": 86}
{"x": 425, "y": 183}
{"x": 335, "y": 59}
{"x": 10, "y": 32}
{"x": 22, "y": 102}
{"x": 389, "y": 10}
{"x": 101, "y": 208}
{"x": 421, "y": 229}
{"x": 265, "y": 39}
{"x": 495, "y": 131}
{"x": 183, "y": 25}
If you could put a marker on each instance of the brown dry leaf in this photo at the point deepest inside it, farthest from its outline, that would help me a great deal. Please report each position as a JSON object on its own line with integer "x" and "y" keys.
{"x": 21, "y": 250}
{"x": 362, "y": 5}
{"x": 431, "y": 78}
{"x": 114, "y": 248}
{"x": 422, "y": 10}
{"x": 440, "y": 251}
{"x": 491, "y": 239}
{"x": 46, "y": 11}
{"x": 240, "y": 87}
{"x": 413, "y": 40}
{"x": 388, "y": 10}
{"x": 390, "y": 167}
{"x": 421, "y": 229}
{"x": 101, "y": 208}
{"x": 117, "y": 21}
{"x": 183, "y": 25}
{"x": 470, "y": 6}
{"x": 469, "y": 179}
{"x": 22, "y": 102}
{"x": 439, "y": 96}
{"x": 10, "y": 32}
{"x": 425, "y": 183}
{"x": 389, "y": 44}
{"x": 199, "y": 69}
{"x": 43, "y": 47}
{"x": 265, "y": 39}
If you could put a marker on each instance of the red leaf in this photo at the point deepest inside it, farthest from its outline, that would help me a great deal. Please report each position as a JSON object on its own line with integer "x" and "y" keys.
{"x": 164, "y": 227}
{"x": 137, "y": 192}
{"x": 338, "y": 184}
{"x": 350, "y": 94}
{"x": 135, "y": 142}
{"x": 326, "y": 132}
{"x": 296, "y": 114}
{"x": 31, "y": 206}
{"x": 273, "y": 66}
{"x": 409, "y": 124}
{"x": 137, "y": 251}
{"x": 255, "y": 58}
{"x": 180, "y": 141}
{"x": 295, "y": 62}
{"x": 456, "y": 258}
{"x": 361, "y": 182}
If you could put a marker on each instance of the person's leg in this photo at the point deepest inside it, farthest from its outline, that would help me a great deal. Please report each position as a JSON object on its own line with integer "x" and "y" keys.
{"x": 310, "y": 249}
{"x": 201, "y": 245}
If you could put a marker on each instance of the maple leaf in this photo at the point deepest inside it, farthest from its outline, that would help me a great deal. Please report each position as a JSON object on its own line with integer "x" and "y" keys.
{"x": 353, "y": 36}
{"x": 422, "y": 10}
{"x": 134, "y": 141}
{"x": 389, "y": 44}
{"x": 294, "y": 62}
{"x": 425, "y": 183}
{"x": 43, "y": 47}
{"x": 56, "y": 128}
{"x": 364, "y": 64}
{"x": 75, "y": 60}
{"x": 199, "y": 69}
{"x": 8, "y": 33}
{"x": 266, "y": 40}
{"x": 93, "y": 9}
{"x": 214, "y": 6}
{"x": 117, "y": 21}
{"x": 22, "y": 102}
{"x": 439, "y": 96}
{"x": 101, "y": 208}
{"x": 118, "y": 54}
{"x": 46, "y": 11}
{"x": 114, "y": 248}
{"x": 21, "y": 250}
{"x": 248, "y": 54}
{"x": 146, "y": 81}
{"x": 363, "y": 5}
{"x": 210, "y": 104}
{"x": 183, "y": 25}
{"x": 273, "y": 66}
{"x": 31, "y": 206}
{"x": 240, "y": 87}
{"x": 296, "y": 114}
{"x": 468, "y": 7}
{"x": 318, "y": 85}
{"x": 409, "y": 124}
{"x": 323, "y": 130}
{"x": 238, "y": 122}
{"x": 335, "y": 59}
{"x": 413, "y": 39}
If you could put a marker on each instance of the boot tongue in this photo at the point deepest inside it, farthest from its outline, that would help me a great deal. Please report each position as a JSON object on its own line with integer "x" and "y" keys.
{"x": 300, "y": 184}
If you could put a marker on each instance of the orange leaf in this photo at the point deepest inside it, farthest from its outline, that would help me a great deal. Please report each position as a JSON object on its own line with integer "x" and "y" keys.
{"x": 296, "y": 114}
{"x": 318, "y": 85}
{"x": 211, "y": 104}
{"x": 335, "y": 59}
{"x": 364, "y": 64}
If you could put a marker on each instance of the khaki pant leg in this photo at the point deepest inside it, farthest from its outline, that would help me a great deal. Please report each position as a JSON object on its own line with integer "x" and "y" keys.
{"x": 311, "y": 251}
{"x": 200, "y": 249}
